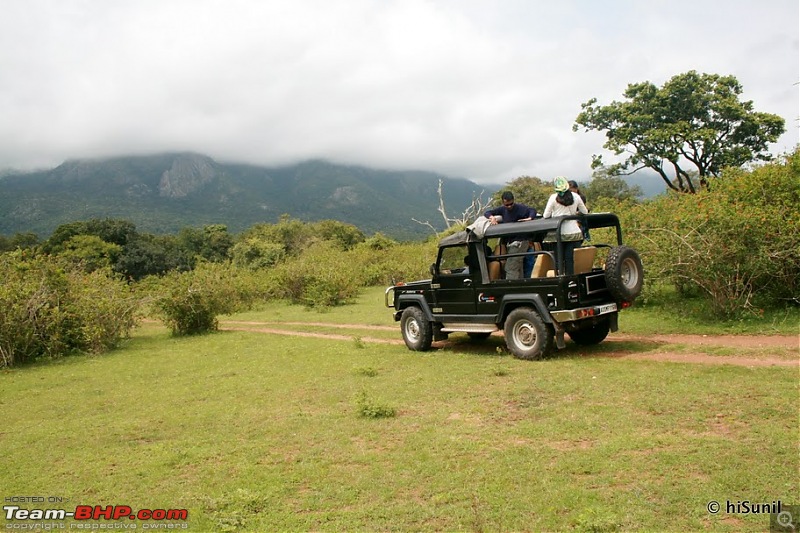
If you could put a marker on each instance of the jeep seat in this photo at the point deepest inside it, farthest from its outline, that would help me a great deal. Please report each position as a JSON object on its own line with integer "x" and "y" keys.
{"x": 584, "y": 259}
{"x": 543, "y": 263}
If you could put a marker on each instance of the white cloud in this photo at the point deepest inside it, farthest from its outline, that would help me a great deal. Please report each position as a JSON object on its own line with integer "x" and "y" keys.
{"x": 481, "y": 89}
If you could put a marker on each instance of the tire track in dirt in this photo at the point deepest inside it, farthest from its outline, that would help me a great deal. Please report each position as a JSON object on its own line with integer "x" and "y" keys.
{"x": 745, "y": 342}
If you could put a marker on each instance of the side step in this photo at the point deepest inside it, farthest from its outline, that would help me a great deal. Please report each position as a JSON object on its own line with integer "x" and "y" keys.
{"x": 468, "y": 328}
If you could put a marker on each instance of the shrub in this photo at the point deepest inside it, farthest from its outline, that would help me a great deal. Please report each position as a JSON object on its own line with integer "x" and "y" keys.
{"x": 322, "y": 276}
{"x": 106, "y": 309}
{"x": 256, "y": 253}
{"x": 379, "y": 241}
{"x": 293, "y": 236}
{"x": 90, "y": 252}
{"x": 189, "y": 302}
{"x": 736, "y": 244}
{"x": 367, "y": 407}
{"x": 403, "y": 262}
{"x": 48, "y": 309}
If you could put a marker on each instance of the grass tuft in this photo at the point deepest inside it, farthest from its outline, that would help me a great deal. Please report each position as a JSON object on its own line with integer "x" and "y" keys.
{"x": 368, "y": 407}
{"x": 359, "y": 343}
{"x": 366, "y": 371}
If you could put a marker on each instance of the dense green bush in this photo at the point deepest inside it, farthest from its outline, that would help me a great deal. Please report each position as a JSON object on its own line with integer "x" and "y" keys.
{"x": 256, "y": 253}
{"x": 90, "y": 252}
{"x": 322, "y": 276}
{"x": 401, "y": 262}
{"x": 189, "y": 302}
{"x": 48, "y": 309}
{"x": 736, "y": 244}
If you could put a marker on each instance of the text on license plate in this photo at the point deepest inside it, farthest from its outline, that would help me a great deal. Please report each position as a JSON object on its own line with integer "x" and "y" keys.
{"x": 608, "y": 308}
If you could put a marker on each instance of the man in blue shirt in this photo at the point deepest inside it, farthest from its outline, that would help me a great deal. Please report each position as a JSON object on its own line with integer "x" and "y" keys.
{"x": 511, "y": 211}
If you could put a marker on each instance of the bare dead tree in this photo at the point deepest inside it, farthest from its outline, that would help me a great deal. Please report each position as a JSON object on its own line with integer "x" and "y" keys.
{"x": 475, "y": 209}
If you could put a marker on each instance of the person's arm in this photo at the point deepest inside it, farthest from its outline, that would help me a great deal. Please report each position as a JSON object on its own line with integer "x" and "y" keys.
{"x": 491, "y": 214}
{"x": 548, "y": 209}
{"x": 580, "y": 205}
{"x": 527, "y": 212}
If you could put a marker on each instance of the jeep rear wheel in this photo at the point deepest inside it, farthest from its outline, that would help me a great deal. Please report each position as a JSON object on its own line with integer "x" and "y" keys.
{"x": 624, "y": 273}
{"x": 527, "y": 335}
{"x": 594, "y": 334}
{"x": 417, "y": 331}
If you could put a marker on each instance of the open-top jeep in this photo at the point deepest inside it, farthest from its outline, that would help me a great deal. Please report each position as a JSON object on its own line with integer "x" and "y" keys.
{"x": 468, "y": 292}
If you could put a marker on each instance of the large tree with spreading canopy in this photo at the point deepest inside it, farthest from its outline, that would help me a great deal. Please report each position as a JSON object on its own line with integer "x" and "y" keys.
{"x": 695, "y": 124}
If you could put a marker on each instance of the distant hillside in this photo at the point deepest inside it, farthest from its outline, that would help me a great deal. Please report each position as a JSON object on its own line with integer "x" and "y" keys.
{"x": 164, "y": 193}
{"x": 650, "y": 183}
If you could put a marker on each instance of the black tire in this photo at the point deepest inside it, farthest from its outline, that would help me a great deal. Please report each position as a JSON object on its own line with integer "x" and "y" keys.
{"x": 478, "y": 336}
{"x": 527, "y": 335}
{"x": 594, "y": 334}
{"x": 624, "y": 274}
{"x": 417, "y": 331}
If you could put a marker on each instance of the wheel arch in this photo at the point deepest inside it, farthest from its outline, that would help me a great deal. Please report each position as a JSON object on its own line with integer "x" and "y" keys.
{"x": 407, "y": 300}
{"x": 515, "y": 301}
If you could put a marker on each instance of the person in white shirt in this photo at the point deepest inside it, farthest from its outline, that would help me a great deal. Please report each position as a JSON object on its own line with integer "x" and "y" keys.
{"x": 565, "y": 203}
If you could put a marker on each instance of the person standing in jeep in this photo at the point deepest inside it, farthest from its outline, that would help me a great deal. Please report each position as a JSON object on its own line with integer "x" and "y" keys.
{"x": 566, "y": 203}
{"x": 511, "y": 211}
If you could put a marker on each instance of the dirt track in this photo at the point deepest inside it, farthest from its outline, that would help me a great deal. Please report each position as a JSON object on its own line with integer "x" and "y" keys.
{"x": 752, "y": 351}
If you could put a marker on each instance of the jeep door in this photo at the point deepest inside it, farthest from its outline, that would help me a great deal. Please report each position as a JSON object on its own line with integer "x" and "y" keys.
{"x": 454, "y": 285}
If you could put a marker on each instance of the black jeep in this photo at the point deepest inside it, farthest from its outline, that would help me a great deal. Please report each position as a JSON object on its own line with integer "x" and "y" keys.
{"x": 468, "y": 291}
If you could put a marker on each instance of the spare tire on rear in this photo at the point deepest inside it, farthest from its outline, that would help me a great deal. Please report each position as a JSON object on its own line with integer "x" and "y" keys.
{"x": 624, "y": 274}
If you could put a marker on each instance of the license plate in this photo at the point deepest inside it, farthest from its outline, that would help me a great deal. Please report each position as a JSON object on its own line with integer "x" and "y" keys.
{"x": 608, "y": 308}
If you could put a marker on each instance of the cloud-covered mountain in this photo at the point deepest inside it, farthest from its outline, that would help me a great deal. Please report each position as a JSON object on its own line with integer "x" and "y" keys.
{"x": 164, "y": 193}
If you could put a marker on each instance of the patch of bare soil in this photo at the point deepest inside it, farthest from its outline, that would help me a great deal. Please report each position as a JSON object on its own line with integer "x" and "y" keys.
{"x": 756, "y": 351}
{"x": 732, "y": 341}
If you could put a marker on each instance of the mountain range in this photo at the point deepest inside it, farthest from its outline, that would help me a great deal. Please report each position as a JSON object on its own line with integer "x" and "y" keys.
{"x": 164, "y": 193}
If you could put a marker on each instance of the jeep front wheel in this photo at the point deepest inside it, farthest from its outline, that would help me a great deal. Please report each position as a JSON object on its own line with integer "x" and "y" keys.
{"x": 527, "y": 335}
{"x": 417, "y": 331}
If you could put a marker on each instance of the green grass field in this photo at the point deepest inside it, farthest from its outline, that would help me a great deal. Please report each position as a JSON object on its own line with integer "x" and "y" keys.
{"x": 260, "y": 432}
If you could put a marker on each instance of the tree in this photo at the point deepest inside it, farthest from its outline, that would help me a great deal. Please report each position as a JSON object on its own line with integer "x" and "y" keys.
{"x": 148, "y": 254}
{"x": 693, "y": 120}
{"x": 111, "y": 230}
{"x": 62, "y": 234}
{"x": 293, "y": 235}
{"x": 90, "y": 252}
{"x": 114, "y": 231}
{"x": 604, "y": 185}
{"x": 255, "y": 253}
{"x": 528, "y": 190}
{"x": 470, "y": 213}
{"x": 212, "y": 243}
{"x": 19, "y": 240}
{"x": 345, "y": 235}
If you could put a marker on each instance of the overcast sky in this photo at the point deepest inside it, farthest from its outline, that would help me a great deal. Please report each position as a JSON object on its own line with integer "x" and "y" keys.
{"x": 482, "y": 89}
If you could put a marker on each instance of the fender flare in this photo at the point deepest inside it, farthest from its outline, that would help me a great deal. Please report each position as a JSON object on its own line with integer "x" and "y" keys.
{"x": 406, "y": 300}
{"x": 513, "y": 301}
